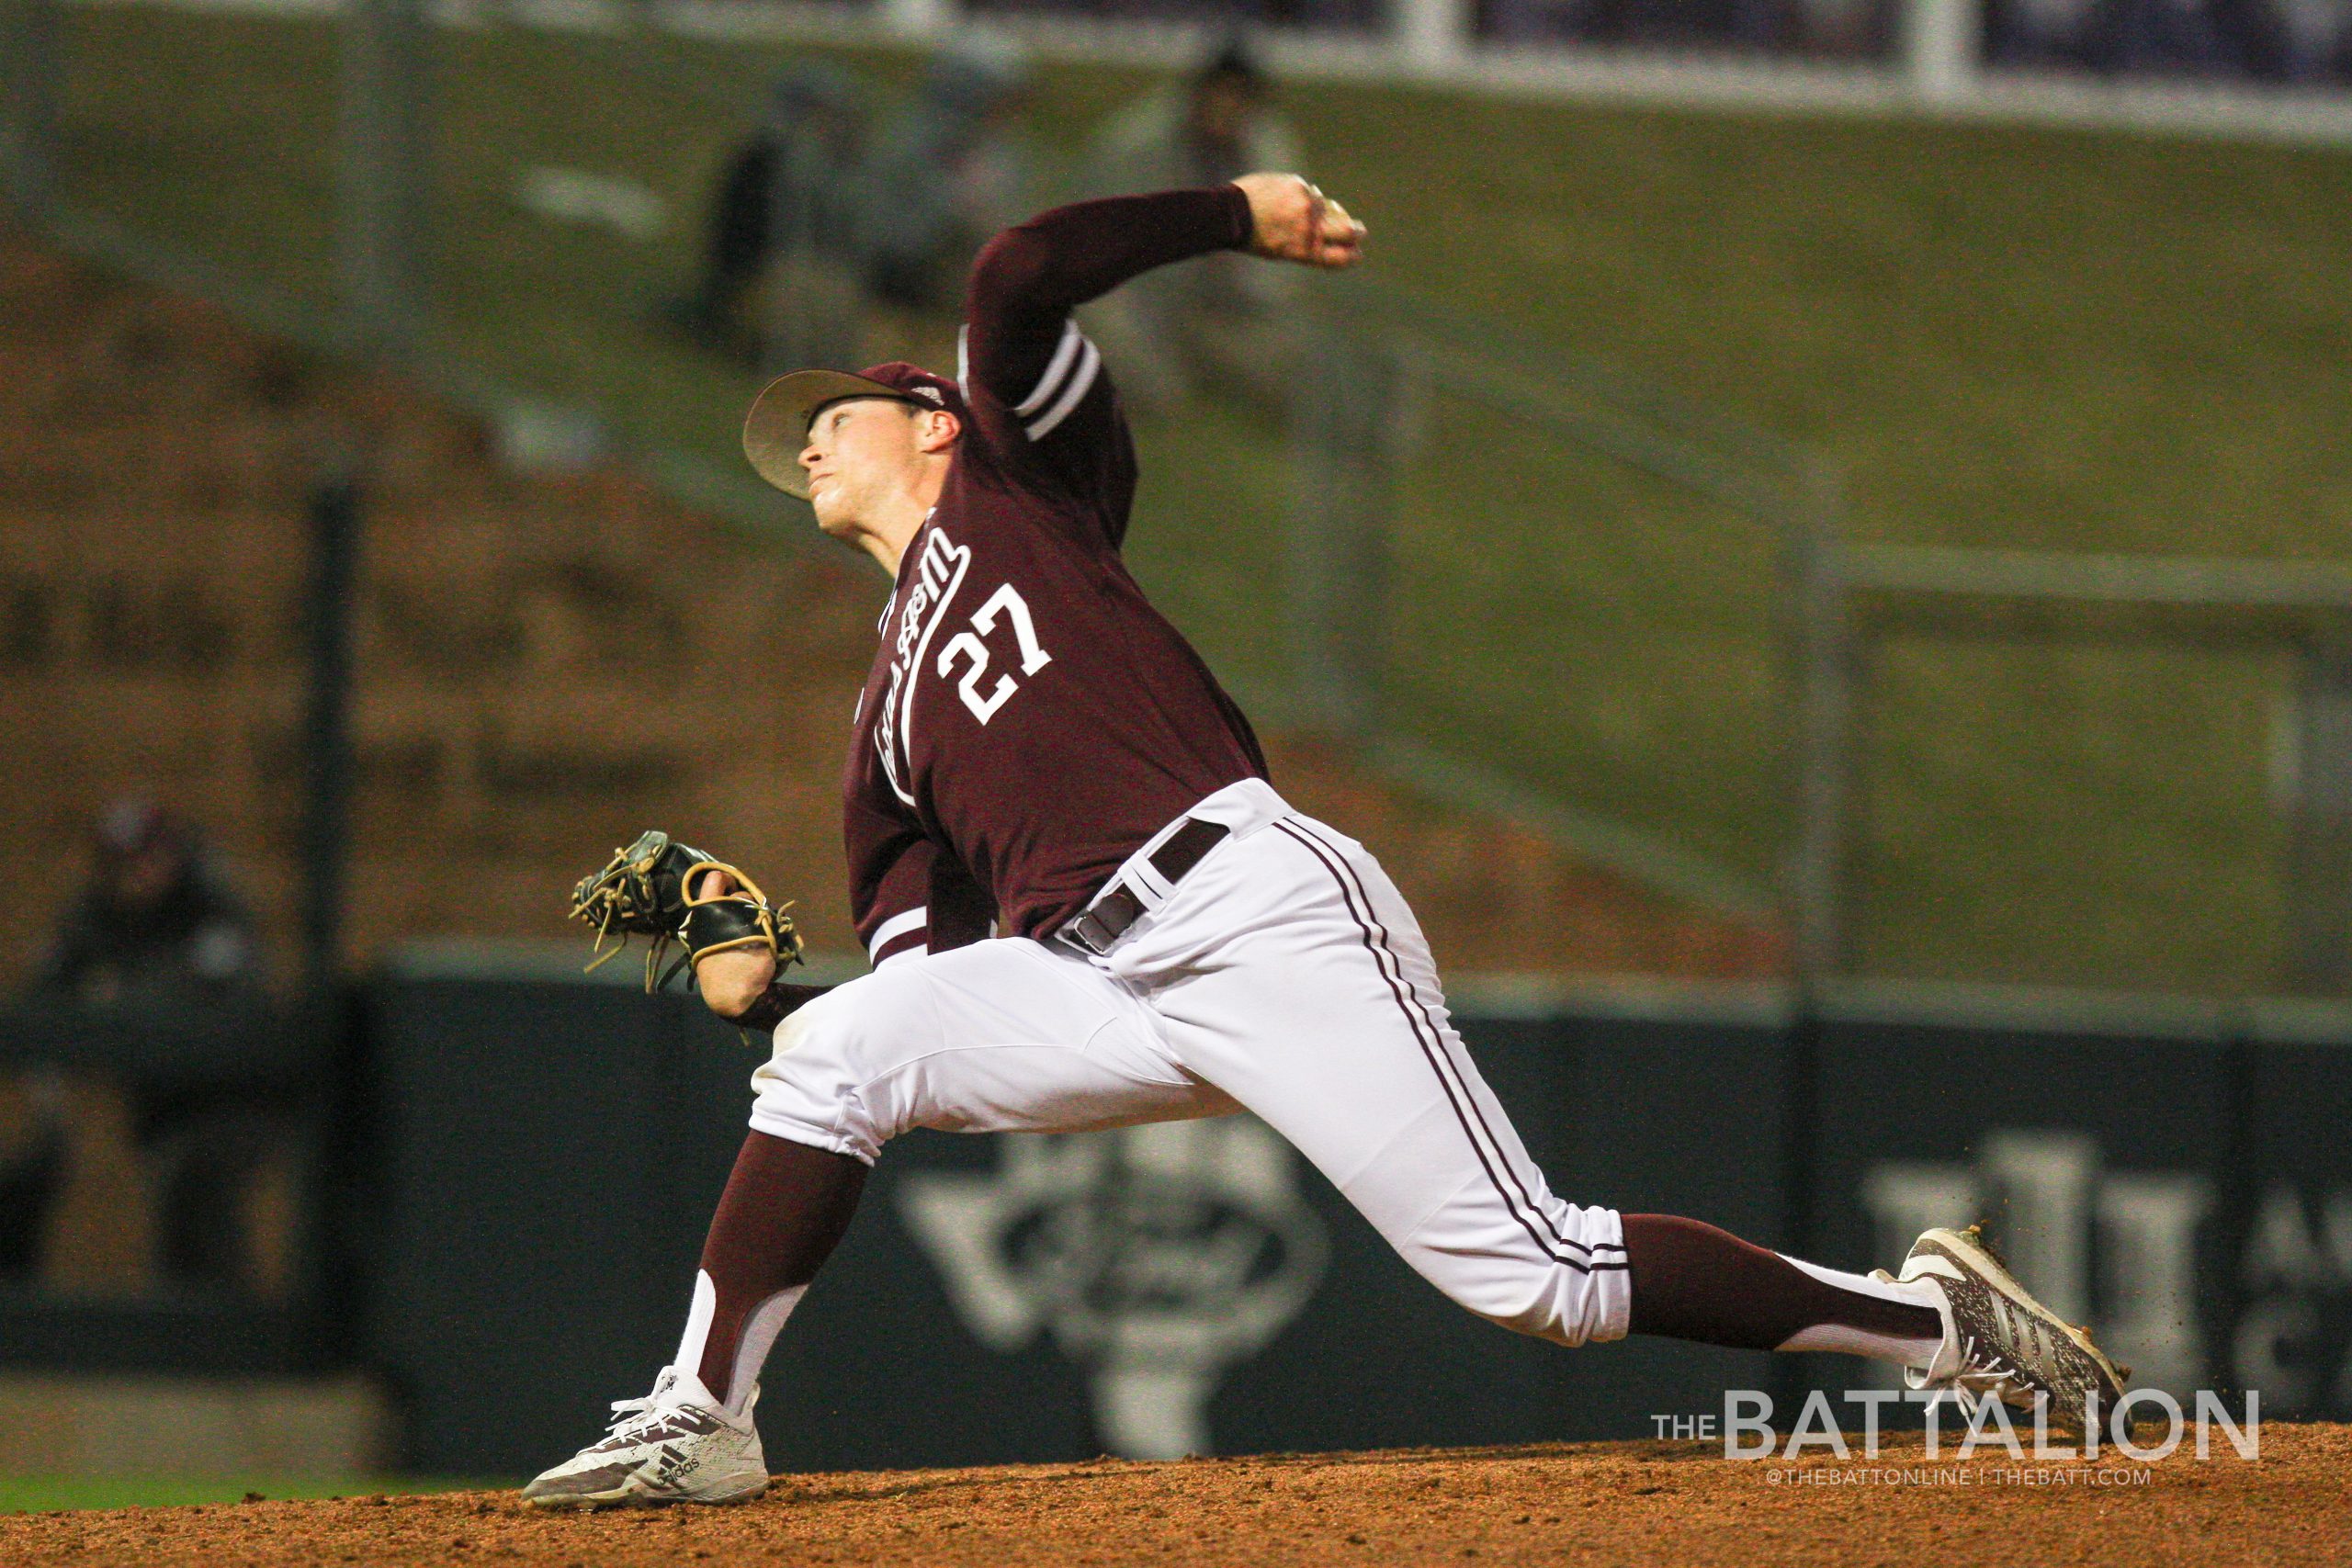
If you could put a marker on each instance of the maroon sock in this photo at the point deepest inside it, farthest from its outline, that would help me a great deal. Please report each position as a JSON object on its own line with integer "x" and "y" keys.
{"x": 786, "y": 1207}
{"x": 1694, "y": 1281}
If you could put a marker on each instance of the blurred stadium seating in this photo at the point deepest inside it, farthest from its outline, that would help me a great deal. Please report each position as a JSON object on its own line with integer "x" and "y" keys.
{"x": 1982, "y": 333}
{"x": 545, "y": 659}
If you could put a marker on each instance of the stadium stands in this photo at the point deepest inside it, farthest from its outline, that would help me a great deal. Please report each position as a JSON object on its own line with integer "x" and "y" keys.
{"x": 504, "y": 738}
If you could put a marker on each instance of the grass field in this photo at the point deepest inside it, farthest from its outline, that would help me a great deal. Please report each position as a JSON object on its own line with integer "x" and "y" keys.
{"x": 46, "y": 1494}
{"x": 2001, "y": 337}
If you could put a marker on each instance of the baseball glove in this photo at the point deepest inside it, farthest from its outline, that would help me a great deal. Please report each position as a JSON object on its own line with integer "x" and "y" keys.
{"x": 652, "y": 888}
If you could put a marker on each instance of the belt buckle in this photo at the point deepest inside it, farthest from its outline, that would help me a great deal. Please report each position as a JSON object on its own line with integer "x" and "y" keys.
{"x": 1082, "y": 930}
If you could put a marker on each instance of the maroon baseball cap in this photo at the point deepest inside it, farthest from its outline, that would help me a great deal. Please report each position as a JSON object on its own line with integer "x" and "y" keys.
{"x": 776, "y": 430}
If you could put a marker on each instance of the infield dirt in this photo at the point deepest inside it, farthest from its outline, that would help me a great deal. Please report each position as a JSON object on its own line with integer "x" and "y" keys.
{"x": 1630, "y": 1503}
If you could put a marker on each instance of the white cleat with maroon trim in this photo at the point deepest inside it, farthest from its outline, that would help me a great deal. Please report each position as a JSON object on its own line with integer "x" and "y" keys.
{"x": 2000, "y": 1343}
{"x": 677, "y": 1445}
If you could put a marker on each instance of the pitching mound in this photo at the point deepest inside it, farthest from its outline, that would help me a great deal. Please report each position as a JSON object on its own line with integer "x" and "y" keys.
{"x": 1630, "y": 1502}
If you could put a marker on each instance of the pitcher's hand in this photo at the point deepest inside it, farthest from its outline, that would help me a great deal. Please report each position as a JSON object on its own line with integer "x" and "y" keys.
{"x": 1294, "y": 221}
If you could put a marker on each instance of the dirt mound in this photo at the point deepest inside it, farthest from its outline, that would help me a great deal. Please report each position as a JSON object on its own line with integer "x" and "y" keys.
{"x": 1634, "y": 1503}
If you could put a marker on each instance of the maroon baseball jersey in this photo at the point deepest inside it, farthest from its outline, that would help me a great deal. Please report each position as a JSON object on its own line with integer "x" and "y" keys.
{"x": 1030, "y": 719}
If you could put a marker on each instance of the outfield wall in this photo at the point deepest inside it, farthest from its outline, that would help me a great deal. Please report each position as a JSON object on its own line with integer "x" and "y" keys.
{"x": 548, "y": 1153}
{"x": 508, "y": 1177}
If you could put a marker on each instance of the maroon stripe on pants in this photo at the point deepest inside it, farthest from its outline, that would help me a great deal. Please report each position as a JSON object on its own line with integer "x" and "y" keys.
{"x": 1423, "y": 1028}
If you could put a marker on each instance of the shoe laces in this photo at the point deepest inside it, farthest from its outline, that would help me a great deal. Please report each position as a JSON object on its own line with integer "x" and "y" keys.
{"x": 630, "y": 1414}
{"x": 1984, "y": 1370}
{"x": 1980, "y": 1368}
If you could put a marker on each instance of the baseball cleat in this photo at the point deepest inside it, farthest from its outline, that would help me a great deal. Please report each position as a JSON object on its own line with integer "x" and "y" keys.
{"x": 677, "y": 1445}
{"x": 1999, "y": 1342}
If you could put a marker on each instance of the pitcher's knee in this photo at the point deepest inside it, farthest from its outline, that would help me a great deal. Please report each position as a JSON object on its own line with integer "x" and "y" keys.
{"x": 1574, "y": 1292}
{"x": 1521, "y": 1297}
{"x": 817, "y": 1087}
{"x": 1555, "y": 1302}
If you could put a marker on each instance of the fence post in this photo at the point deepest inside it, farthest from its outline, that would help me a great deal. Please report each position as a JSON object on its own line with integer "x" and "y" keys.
{"x": 2321, "y": 875}
{"x": 28, "y": 63}
{"x": 1824, "y": 635}
{"x": 1432, "y": 34}
{"x": 1347, "y": 427}
{"x": 335, "y": 509}
{"x": 382, "y": 173}
{"x": 920, "y": 19}
{"x": 1940, "y": 42}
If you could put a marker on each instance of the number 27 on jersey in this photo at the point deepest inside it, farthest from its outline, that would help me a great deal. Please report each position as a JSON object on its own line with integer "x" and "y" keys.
{"x": 966, "y": 648}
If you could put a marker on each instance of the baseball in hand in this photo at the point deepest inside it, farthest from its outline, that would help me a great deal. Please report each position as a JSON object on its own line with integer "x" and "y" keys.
{"x": 1341, "y": 228}
{"x": 1294, "y": 221}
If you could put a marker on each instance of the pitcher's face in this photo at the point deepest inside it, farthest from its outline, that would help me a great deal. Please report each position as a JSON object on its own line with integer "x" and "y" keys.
{"x": 860, "y": 452}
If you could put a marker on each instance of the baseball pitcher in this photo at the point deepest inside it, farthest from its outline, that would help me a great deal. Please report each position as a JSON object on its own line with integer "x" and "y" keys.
{"x": 1087, "y": 907}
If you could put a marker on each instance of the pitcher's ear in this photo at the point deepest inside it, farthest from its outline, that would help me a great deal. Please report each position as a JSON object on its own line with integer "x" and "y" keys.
{"x": 938, "y": 430}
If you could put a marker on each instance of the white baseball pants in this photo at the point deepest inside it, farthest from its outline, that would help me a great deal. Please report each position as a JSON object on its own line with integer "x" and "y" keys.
{"x": 1284, "y": 975}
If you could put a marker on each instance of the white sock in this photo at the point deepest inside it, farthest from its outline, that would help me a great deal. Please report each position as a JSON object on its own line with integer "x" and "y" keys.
{"x": 760, "y": 1326}
{"x": 1919, "y": 1353}
{"x": 760, "y": 1329}
{"x": 697, "y": 1334}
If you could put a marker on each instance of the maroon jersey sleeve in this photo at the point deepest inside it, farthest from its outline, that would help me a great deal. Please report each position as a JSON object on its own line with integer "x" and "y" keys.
{"x": 1034, "y": 383}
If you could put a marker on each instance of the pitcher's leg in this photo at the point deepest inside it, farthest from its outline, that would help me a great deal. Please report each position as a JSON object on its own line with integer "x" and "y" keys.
{"x": 1694, "y": 1281}
{"x": 1000, "y": 1036}
{"x": 1330, "y": 1024}
{"x": 1324, "y": 1018}
{"x": 785, "y": 1208}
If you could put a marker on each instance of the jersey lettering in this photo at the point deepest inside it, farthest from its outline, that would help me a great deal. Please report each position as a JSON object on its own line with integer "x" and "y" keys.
{"x": 939, "y": 572}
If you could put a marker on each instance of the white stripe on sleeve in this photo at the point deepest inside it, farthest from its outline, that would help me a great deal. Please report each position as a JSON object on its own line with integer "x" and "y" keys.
{"x": 1080, "y": 380}
{"x": 1048, "y": 384}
